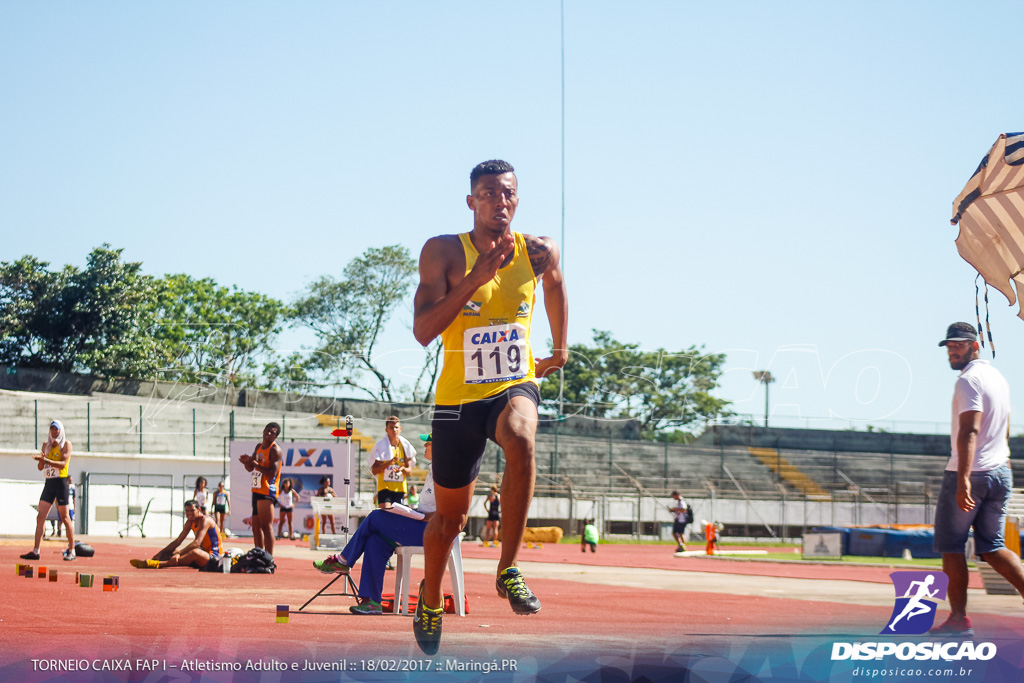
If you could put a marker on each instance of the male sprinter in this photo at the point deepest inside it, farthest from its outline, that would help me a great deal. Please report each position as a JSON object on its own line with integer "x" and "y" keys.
{"x": 265, "y": 465}
{"x": 203, "y": 553}
{"x": 477, "y": 291}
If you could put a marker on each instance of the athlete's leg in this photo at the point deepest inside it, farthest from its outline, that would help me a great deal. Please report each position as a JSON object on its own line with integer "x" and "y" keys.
{"x": 516, "y": 433}
{"x": 44, "y": 509}
{"x": 955, "y": 566}
{"x": 198, "y": 556}
{"x": 265, "y": 521}
{"x": 254, "y": 521}
{"x": 65, "y": 519}
{"x": 443, "y": 527}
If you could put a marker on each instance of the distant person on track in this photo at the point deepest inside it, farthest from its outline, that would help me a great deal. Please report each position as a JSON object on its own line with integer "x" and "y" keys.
{"x": 54, "y": 459}
{"x": 477, "y": 292}
{"x": 977, "y": 482}
{"x": 201, "y": 494}
{"x": 265, "y": 466}
{"x": 286, "y": 500}
{"x": 203, "y": 553}
{"x": 391, "y": 462}
{"x": 590, "y": 537}
{"x": 221, "y": 507}
{"x": 325, "y": 491}
{"x": 492, "y": 504}
{"x": 682, "y": 515}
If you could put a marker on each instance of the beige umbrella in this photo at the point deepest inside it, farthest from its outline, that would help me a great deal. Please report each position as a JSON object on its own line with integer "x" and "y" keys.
{"x": 990, "y": 211}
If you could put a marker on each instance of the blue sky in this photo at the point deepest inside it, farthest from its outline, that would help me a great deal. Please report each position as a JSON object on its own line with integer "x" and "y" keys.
{"x": 770, "y": 180}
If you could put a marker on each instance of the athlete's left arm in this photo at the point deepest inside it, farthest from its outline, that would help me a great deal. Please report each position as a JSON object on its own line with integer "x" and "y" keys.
{"x": 65, "y": 454}
{"x": 544, "y": 256}
{"x": 274, "y": 467}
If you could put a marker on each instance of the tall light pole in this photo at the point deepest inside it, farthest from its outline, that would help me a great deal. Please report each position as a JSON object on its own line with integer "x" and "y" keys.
{"x": 765, "y": 378}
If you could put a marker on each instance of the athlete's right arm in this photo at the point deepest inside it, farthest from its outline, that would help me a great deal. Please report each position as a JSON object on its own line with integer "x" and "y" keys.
{"x": 437, "y": 304}
{"x": 173, "y": 545}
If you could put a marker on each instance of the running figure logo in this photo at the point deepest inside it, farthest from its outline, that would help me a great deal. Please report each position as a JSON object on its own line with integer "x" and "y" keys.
{"x": 916, "y": 595}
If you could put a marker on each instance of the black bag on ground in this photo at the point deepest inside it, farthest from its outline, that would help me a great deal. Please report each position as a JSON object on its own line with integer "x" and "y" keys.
{"x": 83, "y": 550}
{"x": 256, "y": 561}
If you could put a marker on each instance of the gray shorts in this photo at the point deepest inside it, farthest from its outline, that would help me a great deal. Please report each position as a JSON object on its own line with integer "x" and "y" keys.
{"x": 991, "y": 492}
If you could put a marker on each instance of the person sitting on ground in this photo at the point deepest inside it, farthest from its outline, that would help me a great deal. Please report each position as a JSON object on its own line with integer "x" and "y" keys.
{"x": 375, "y": 540}
{"x": 203, "y": 553}
{"x": 590, "y": 537}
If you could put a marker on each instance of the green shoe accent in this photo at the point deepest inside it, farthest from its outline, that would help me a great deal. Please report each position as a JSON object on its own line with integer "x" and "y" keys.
{"x": 332, "y": 565}
{"x": 368, "y": 607}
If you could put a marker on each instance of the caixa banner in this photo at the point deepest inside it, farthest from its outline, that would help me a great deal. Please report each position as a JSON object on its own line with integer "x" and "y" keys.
{"x": 308, "y": 464}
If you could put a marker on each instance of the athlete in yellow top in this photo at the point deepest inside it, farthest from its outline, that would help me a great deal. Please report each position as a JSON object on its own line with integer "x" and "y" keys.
{"x": 265, "y": 465}
{"x": 53, "y": 459}
{"x": 477, "y": 291}
{"x": 391, "y": 461}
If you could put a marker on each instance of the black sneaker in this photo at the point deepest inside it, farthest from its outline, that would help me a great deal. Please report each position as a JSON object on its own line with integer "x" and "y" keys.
{"x": 512, "y": 585}
{"x": 31, "y": 555}
{"x": 426, "y": 626}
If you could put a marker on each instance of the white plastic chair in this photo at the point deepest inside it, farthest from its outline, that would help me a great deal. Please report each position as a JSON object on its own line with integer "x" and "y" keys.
{"x": 405, "y": 553}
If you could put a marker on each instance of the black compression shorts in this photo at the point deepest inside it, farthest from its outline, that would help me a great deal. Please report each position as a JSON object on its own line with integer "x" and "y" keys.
{"x": 261, "y": 496}
{"x": 460, "y": 434}
{"x": 55, "y": 489}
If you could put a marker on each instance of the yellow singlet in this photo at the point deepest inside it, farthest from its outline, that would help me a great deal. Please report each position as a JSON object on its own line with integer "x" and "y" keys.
{"x": 51, "y": 472}
{"x": 487, "y": 347}
{"x": 391, "y": 479}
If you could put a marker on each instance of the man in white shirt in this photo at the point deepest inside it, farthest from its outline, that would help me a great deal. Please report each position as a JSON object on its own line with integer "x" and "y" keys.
{"x": 977, "y": 483}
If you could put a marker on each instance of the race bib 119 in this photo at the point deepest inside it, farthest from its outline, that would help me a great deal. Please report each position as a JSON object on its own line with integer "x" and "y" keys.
{"x": 497, "y": 353}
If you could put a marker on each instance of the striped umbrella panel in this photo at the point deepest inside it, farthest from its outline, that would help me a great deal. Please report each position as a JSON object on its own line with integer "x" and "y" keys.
{"x": 990, "y": 211}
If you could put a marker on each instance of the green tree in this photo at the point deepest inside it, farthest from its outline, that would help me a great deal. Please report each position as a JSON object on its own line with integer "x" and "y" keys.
{"x": 668, "y": 393}
{"x": 28, "y": 293}
{"x": 211, "y": 334}
{"x": 78, "y": 320}
{"x": 348, "y": 317}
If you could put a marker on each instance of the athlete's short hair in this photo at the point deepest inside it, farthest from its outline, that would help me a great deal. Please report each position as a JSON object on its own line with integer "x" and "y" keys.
{"x": 275, "y": 426}
{"x": 393, "y": 419}
{"x": 492, "y": 167}
{"x": 193, "y": 503}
